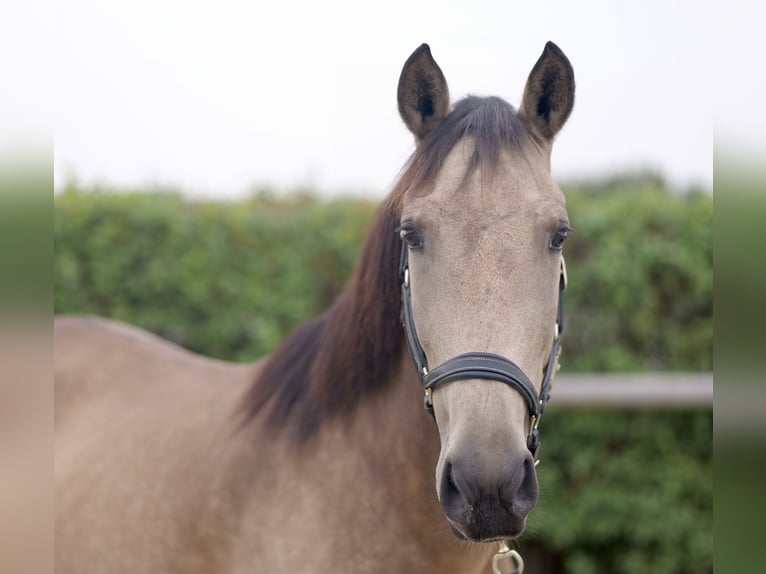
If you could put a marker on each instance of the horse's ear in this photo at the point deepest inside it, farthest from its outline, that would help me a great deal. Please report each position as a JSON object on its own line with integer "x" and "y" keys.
{"x": 423, "y": 95}
{"x": 549, "y": 95}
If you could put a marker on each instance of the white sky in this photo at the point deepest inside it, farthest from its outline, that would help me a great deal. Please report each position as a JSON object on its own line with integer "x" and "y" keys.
{"x": 218, "y": 96}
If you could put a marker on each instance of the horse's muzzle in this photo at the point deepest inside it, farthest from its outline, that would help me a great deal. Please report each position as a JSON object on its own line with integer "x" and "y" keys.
{"x": 484, "y": 504}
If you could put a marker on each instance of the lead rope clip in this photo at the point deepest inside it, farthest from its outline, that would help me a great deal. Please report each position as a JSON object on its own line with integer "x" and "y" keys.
{"x": 507, "y": 553}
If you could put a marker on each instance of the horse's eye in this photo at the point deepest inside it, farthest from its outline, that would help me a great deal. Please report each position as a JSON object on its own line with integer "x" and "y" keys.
{"x": 558, "y": 239}
{"x": 411, "y": 237}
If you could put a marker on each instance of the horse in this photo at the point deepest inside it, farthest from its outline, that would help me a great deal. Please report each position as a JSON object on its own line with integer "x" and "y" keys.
{"x": 319, "y": 457}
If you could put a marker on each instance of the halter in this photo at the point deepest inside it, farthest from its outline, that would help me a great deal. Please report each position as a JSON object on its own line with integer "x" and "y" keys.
{"x": 483, "y": 365}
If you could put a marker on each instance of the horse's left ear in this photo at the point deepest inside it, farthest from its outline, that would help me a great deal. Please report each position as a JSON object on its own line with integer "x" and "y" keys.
{"x": 549, "y": 95}
{"x": 423, "y": 95}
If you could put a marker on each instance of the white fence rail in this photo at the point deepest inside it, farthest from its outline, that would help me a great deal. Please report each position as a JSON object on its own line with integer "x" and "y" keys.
{"x": 645, "y": 391}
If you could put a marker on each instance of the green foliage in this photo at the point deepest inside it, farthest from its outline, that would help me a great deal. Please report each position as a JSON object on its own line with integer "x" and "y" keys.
{"x": 641, "y": 275}
{"x": 620, "y": 493}
{"x": 225, "y": 279}
{"x": 626, "y": 492}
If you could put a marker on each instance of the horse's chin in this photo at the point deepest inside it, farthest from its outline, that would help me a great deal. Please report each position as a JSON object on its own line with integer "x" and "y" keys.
{"x": 482, "y": 535}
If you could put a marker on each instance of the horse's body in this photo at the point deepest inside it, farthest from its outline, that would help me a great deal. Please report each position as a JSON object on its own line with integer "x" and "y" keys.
{"x": 154, "y": 474}
{"x": 319, "y": 458}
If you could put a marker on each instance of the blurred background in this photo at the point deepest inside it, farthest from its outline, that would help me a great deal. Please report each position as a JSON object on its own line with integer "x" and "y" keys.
{"x": 216, "y": 99}
{"x": 215, "y": 169}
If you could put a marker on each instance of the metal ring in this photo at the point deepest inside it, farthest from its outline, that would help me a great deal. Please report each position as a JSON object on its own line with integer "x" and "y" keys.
{"x": 507, "y": 553}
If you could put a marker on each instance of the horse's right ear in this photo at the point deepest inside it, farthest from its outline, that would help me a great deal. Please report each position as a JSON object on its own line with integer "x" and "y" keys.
{"x": 423, "y": 95}
{"x": 549, "y": 94}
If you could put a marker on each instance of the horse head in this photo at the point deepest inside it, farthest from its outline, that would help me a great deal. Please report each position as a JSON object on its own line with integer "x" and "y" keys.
{"x": 482, "y": 225}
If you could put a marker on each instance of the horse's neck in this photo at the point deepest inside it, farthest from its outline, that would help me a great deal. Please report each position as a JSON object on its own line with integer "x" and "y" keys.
{"x": 363, "y": 494}
{"x": 398, "y": 444}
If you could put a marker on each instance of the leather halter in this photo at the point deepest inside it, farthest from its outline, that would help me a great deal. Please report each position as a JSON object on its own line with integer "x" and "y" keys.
{"x": 478, "y": 365}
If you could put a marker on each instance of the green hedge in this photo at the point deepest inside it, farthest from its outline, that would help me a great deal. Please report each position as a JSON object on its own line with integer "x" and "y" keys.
{"x": 621, "y": 492}
{"x": 641, "y": 270}
{"x": 225, "y": 279}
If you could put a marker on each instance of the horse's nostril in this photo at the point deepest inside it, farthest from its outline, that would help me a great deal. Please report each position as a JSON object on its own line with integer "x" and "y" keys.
{"x": 525, "y": 496}
{"x": 455, "y": 492}
{"x": 519, "y": 492}
{"x": 450, "y": 490}
{"x": 451, "y": 478}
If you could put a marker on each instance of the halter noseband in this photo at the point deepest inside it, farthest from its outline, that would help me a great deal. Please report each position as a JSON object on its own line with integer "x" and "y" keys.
{"x": 483, "y": 365}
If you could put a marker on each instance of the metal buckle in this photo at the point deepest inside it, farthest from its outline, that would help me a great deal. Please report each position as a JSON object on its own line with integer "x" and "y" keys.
{"x": 533, "y": 422}
{"x": 564, "y": 272}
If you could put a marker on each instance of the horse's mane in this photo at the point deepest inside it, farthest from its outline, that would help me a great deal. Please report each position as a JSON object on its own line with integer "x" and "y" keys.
{"x": 328, "y": 363}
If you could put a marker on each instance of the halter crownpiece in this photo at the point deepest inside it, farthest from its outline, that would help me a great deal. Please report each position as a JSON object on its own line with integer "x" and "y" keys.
{"x": 477, "y": 365}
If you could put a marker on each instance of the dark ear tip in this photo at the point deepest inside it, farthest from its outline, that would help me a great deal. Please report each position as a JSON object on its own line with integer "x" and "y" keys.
{"x": 550, "y": 45}
{"x": 554, "y": 50}
{"x": 422, "y": 50}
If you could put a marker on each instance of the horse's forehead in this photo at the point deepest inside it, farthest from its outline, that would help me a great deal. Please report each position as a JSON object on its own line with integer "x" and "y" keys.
{"x": 520, "y": 182}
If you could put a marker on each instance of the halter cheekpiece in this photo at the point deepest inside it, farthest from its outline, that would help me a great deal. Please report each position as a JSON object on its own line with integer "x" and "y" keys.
{"x": 478, "y": 365}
